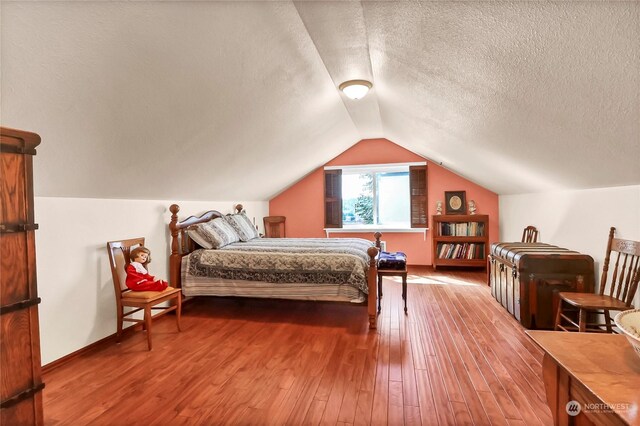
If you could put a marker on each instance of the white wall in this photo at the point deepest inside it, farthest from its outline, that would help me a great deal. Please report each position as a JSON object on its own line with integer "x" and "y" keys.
{"x": 578, "y": 220}
{"x": 74, "y": 279}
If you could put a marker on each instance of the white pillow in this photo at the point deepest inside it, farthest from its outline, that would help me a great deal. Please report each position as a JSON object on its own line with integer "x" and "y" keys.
{"x": 243, "y": 226}
{"x": 216, "y": 233}
{"x": 192, "y": 231}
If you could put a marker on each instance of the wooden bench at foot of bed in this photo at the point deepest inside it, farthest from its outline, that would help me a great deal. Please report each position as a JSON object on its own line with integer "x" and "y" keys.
{"x": 182, "y": 245}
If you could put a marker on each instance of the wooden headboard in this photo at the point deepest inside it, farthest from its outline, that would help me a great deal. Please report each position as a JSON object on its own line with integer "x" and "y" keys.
{"x": 181, "y": 244}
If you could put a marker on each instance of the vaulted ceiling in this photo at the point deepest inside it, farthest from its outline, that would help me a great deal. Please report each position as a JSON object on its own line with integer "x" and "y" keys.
{"x": 238, "y": 100}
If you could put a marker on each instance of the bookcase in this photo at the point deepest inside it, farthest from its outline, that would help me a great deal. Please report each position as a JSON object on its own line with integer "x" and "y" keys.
{"x": 460, "y": 240}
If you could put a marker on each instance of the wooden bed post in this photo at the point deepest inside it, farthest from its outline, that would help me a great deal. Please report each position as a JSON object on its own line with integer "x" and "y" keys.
{"x": 372, "y": 283}
{"x": 175, "y": 259}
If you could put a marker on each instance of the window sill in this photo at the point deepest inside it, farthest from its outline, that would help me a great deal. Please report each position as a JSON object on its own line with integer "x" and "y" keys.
{"x": 382, "y": 229}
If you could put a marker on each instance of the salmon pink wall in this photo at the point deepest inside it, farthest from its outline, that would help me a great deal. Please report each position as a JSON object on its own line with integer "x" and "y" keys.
{"x": 303, "y": 203}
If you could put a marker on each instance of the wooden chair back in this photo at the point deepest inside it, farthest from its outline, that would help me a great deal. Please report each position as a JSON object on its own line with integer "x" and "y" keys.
{"x": 530, "y": 234}
{"x": 620, "y": 279}
{"x": 274, "y": 226}
{"x": 118, "y": 261}
{"x": 168, "y": 300}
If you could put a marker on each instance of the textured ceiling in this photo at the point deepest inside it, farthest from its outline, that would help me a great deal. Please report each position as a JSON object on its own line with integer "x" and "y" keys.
{"x": 238, "y": 100}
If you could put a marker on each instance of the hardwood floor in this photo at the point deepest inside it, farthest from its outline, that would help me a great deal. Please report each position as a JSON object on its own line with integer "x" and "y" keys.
{"x": 456, "y": 358}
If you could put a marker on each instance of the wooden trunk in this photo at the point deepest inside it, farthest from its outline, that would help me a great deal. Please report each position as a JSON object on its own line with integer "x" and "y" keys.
{"x": 524, "y": 278}
{"x": 21, "y": 383}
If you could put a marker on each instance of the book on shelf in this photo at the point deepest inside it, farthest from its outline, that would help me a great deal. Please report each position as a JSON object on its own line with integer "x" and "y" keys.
{"x": 461, "y": 229}
{"x": 468, "y": 251}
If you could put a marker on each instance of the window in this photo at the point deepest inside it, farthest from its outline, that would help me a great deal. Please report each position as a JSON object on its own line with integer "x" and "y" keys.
{"x": 371, "y": 197}
{"x": 384, "y": 195}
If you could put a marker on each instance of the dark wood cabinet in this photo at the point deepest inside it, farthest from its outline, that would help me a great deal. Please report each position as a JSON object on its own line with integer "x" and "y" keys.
{"x": 21, "y": 382}
{"x": 460, "y": 240}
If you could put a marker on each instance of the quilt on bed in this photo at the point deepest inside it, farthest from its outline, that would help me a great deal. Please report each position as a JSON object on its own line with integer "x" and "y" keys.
{"x": 284, "y": 260}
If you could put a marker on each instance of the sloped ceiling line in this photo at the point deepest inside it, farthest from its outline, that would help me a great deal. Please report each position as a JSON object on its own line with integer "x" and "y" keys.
{"x": 328, "y": 72}
{"x": 339, "y": 33}
{"x": 372, "y": 71}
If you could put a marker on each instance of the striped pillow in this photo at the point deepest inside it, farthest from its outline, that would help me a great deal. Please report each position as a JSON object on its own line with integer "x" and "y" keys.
{"x": 243, "y": 226}
{"x": 197, "y": 238}
{"x": 217, "y": 233}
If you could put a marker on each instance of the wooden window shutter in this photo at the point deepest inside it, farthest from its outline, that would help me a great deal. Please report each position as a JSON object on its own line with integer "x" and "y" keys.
{"x": 418, "y": 191}
{"x": 333, "y": 198}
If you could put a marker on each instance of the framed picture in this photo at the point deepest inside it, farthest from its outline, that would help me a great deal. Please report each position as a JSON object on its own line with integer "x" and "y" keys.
{"x": 455, "y": 202}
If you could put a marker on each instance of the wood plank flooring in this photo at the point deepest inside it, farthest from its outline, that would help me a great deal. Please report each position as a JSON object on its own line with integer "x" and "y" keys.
{"x": 457, "y": 358}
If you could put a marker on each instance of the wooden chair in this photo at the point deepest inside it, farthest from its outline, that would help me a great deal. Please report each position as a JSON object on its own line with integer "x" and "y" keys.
{"x": 140, "y": 300}
{"x": 530, "y": 234}
{"x": 274, "y": 226}
{"x": 618, "y": 287}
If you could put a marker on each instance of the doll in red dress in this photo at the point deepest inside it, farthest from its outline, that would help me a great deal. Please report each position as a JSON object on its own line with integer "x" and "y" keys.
{"x": 138, "y": 278}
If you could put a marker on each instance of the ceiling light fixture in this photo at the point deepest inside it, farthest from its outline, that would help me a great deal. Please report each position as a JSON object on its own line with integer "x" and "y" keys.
{"x": 355, "y": 89}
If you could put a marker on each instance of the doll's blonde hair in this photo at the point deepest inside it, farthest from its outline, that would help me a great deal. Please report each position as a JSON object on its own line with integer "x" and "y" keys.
{"x": 140, "y": 249}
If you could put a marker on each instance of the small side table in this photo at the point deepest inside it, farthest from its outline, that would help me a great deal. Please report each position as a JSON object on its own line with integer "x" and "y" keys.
{"x": 393, "y": 273}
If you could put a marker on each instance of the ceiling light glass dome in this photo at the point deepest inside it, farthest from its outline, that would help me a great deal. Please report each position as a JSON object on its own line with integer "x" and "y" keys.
{"x": 355, "y": 89}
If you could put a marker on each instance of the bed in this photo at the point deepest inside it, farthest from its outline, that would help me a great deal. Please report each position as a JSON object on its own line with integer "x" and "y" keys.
{"x": 328, "y": 269}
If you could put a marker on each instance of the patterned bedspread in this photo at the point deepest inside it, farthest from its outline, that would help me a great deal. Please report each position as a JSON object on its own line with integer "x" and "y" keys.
{"x": 285, "y": 260}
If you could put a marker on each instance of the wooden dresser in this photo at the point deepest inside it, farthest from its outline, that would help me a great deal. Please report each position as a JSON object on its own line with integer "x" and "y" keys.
{"x": 590, "y": 378}
{"x": 21, "y": 381}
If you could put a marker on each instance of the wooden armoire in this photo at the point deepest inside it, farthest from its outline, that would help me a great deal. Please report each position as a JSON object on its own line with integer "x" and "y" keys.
{"x": 20, "y": 369}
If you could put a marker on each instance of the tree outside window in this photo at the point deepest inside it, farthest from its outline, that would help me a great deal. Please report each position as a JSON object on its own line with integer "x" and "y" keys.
{"x": 376, "y": 198}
